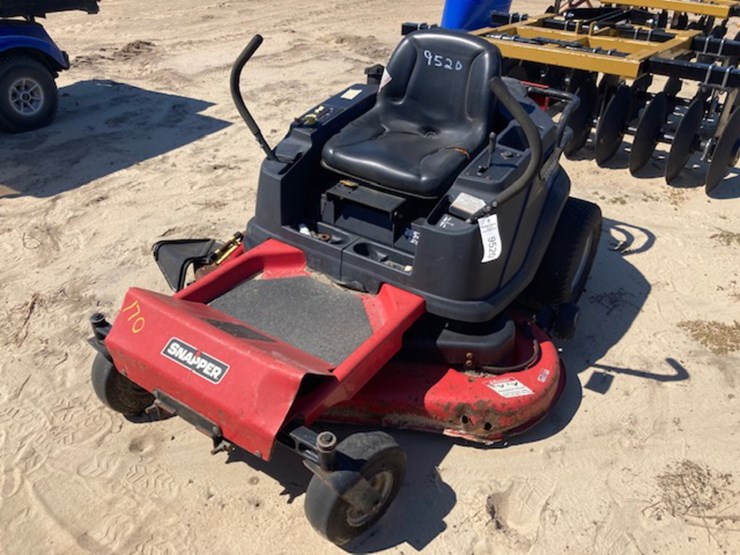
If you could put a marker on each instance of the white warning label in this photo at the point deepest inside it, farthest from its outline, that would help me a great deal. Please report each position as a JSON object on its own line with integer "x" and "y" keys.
{"x": 490, "y": 237}
{"x": 468, "y": 203}
{"x": 510, "y": 388}
{"x": 385, "y": 79}
{"x": 351, "y": 94}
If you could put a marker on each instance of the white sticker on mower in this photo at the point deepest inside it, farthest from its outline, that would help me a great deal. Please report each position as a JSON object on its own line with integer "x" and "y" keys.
{"x": 195, "y": 360}
{"x": 468, "y": 203}
{"x": 385, "y": 79}
{"x": 351, "y": 94}
{"x": 491, "y": 237}
{"x": 510, "y": 388}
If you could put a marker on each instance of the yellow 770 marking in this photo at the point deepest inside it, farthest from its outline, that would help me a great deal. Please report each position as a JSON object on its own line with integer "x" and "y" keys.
{"x": 137, "y": 321}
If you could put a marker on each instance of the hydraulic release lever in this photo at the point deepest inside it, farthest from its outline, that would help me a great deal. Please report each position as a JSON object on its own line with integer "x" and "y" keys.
{"x": 491, "y": 150}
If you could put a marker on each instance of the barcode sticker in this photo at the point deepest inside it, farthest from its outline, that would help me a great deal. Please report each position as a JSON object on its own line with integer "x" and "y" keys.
{"x": 491, "y": 237}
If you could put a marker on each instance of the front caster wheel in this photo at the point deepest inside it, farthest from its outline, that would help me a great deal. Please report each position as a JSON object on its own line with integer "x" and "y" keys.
{"x": 116, "y": 391}
{"x": 379, "y": 459}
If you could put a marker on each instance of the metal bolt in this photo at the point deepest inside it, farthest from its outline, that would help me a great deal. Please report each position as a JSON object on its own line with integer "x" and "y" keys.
{"x": 97, "y": 318}
{"x": 326, "y": 442}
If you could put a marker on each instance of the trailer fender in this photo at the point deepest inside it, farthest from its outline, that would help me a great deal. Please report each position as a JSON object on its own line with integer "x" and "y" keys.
{"x": 32, "y": 39}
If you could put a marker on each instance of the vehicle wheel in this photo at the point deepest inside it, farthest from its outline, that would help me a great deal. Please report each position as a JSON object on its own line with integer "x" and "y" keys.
{"x": 381, "y": 462}
{"x": 28, "y": 94}
{"x": 116, "y": 391}
{"x": 564, "y": 270}
{"x": 566, "y": 321}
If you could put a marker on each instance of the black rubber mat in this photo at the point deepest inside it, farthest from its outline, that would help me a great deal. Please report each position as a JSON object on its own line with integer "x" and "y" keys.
{"x": 318, "y": 318}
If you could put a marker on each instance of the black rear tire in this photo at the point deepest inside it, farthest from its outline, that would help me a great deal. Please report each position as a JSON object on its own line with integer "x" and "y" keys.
{"x": 28, "y": 94}
{"x": 566, "y": 321}
{"x": 116, "y": 391}
{"x": 381, "y": 462}
{"x": 564, "y": 270}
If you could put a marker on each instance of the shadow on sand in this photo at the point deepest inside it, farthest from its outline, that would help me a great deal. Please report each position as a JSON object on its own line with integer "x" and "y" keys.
{"x": 693, "y": 175}
{"x": 415, "y": 517}
{"x": 614, "y": 297}
{"x": 102, "y": 127}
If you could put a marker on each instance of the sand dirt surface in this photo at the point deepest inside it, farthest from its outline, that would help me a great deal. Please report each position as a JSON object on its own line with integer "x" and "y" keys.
{"x": 640, "y": 456}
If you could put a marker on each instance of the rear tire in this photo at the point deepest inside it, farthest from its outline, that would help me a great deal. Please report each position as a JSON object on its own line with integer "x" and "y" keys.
{"x": 566, "y": 321}
{"x": 564, "y": 270}
{"x": 116, "y": 391}
{"x": 28, "y": 94}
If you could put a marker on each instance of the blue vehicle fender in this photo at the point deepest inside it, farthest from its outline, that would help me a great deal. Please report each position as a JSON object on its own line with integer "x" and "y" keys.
{"x": 20, "y": 35}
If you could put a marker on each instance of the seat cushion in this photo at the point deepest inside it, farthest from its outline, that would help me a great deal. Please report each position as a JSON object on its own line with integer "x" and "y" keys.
{"x": 432, "y": 114}
{"x": 415, "y": 163}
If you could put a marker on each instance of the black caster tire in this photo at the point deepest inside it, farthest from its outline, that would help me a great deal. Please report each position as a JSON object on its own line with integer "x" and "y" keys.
{"x": 564, "y": 270}
{"x": 28, "y": 94}
{"x": 381, "y": 462}
{"x": 116, "y": 391}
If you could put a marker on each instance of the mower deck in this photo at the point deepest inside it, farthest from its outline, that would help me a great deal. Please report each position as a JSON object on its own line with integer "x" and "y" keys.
{"x": 489, "y": 404}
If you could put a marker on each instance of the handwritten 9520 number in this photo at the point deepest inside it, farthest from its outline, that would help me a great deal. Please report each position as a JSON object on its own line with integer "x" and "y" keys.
{"x": 437, "y": 60}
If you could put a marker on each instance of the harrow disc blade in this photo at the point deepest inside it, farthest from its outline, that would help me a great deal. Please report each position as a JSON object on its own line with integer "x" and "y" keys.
{"x": 582, "y": 119}
{"x": 718, "y": 32}
{"x": 683, "y": 21}
{"x": 672, "y": 86}
{"x": 684, "y": 139}
{"x": 518, "y": 72}
{"x": 612, "y": 124}
{"x": 725, "y": 153}
{"x": 647, "y": 132}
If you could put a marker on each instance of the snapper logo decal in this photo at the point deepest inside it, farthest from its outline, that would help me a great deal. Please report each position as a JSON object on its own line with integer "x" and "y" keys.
{"x": 195, "y": 360}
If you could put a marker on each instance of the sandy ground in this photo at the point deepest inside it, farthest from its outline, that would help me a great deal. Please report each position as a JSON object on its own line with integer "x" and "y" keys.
{"x": 640, "y": 456}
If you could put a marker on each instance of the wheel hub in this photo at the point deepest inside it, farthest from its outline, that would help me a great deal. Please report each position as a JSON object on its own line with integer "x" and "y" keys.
{"x": 26, "y": 96}
{"x": 382, "y": 483}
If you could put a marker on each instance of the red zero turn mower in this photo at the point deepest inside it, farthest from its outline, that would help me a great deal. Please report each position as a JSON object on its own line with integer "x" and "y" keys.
{"x": 406, "y": 232}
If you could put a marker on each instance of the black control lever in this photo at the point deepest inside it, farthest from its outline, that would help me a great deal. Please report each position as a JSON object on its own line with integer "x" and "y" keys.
{"x": 236, "y": 95}
{"x": 491, "y": 149}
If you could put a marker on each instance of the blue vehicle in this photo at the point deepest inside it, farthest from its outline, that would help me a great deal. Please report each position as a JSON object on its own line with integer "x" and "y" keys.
{"x": 30, "y": 62}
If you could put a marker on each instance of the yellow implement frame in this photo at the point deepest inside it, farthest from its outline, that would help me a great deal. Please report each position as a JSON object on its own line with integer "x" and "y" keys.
{"x": 626, "y": 61}
{"x": 716, "y": 8}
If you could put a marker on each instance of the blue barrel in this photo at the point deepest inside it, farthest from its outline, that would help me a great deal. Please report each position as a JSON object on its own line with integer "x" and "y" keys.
{"x": 469, "y": 15}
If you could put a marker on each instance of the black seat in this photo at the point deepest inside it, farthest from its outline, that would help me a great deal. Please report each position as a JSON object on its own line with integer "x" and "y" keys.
{"x": 433, "y": 113}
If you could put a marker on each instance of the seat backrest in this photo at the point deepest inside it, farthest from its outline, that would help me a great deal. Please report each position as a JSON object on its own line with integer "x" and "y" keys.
{"x": 437, "y": 80}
